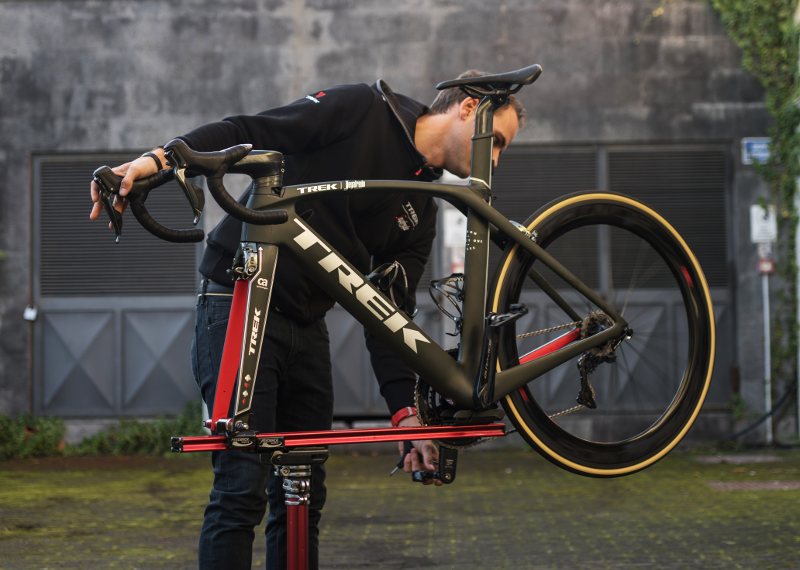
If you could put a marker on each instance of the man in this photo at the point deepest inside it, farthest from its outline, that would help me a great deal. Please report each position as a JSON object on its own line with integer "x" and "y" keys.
{"x": 354, "y": 132}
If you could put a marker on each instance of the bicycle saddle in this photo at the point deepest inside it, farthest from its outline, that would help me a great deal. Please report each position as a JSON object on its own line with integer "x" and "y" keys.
{"x": 520, "y": 77}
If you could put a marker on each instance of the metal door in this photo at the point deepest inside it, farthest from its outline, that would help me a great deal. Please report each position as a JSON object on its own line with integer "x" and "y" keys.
{"x": 115, "y": 321}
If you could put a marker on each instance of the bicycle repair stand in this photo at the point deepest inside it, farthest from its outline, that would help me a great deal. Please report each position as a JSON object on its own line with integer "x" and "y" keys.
{"x": 293, "y": 455}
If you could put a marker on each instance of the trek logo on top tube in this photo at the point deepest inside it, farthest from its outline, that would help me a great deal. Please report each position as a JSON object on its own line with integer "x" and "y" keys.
{"x": 343, "y": 185}
{"x": 364, "y": 292}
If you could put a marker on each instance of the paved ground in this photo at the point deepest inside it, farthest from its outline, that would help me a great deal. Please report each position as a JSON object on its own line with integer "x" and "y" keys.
{"x": 506, "y": 510}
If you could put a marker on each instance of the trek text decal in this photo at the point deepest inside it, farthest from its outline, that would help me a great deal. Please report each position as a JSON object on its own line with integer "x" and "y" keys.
{"x": 344, "y": 185}
{"x": 409, "y": 219}
{"x": 363, "y": 290}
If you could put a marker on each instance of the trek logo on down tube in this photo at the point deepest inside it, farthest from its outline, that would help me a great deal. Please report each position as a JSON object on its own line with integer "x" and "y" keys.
{"x": 363, "y": 290}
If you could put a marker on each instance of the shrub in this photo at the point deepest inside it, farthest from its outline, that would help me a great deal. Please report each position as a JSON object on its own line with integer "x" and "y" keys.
{"x": 30, "y": 436}
{"x": 132, "y": 437}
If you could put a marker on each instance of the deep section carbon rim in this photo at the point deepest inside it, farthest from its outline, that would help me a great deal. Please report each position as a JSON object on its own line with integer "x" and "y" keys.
{"x": 650, "y": 395}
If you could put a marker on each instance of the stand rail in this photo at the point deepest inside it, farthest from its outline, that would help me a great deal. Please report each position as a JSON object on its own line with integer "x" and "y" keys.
{"x": 267, "y": 442}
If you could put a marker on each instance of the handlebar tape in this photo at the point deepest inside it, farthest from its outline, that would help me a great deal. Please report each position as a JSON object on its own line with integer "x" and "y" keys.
{"x": 241, "y": 213}
{"x": 139, "y": 192}
{"x": 162, "y": 232}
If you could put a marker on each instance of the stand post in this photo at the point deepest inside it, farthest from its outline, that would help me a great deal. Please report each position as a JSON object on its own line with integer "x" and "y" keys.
{"x": 297, "y": 490}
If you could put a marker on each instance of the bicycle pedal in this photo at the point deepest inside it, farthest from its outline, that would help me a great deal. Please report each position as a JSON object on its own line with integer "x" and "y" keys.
{"x": 421, "y": 476}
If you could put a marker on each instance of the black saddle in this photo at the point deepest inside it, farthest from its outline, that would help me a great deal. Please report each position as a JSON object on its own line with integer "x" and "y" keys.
{"x": 499, "y": 82}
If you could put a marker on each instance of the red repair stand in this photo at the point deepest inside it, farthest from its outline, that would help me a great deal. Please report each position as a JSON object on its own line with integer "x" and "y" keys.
{"x": 293, "y": 454}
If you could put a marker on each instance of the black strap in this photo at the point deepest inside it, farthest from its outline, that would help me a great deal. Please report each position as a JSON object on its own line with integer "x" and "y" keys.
{"x": 154, "y": 156}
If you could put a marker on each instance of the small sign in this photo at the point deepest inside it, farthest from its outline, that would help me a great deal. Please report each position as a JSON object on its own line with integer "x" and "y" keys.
{"x": 766, "y": 265}
{"x": 763, "y": 224}
{"x": 755, "y": 148}
{"x": 30, "y": 313}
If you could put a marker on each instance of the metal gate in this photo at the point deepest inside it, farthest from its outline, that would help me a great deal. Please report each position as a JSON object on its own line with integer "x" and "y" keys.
{"x": 115, "y": 321}
{"x": 686, "y": 185}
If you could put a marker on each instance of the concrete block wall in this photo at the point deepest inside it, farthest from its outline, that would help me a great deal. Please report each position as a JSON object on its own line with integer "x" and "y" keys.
{"x": 129, "y": 74}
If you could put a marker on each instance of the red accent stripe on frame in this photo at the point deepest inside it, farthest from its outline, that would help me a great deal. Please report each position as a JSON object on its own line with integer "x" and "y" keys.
{"x": 231, "y": 353}
{"x": 552, "y": 346}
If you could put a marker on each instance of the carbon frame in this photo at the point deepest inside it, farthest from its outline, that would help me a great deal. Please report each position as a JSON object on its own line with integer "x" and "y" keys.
{"x": 349, "y": 288}
{"x": 455, "y": 379}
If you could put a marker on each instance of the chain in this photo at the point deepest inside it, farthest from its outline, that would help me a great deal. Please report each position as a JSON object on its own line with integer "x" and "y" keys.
{"x": 565, "y": 412}
{"x": 488, "y": 439}
{"x": 558, "y": 328}
{"x": 576, "y": 408}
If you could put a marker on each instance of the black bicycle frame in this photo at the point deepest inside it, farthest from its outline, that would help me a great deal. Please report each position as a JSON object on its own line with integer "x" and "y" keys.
{"x": 452, "y": 378}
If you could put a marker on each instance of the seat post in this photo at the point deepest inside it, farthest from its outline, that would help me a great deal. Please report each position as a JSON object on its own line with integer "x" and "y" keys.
{"x": 482, "y": 143}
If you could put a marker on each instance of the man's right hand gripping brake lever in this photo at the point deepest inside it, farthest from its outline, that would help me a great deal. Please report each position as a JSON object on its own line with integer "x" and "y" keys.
{"x": 142, "y": 167}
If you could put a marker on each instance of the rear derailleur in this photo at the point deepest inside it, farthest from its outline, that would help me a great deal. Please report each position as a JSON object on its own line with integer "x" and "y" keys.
{"x": 593, "y": 324}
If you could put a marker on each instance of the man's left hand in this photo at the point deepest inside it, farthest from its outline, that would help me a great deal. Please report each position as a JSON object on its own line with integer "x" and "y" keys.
{"x": 422, "y": 455}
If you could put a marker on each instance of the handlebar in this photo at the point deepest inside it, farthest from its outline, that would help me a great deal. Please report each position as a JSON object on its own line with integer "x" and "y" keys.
{"x": 214, "y": 165}
{"x": 184, "y": 161}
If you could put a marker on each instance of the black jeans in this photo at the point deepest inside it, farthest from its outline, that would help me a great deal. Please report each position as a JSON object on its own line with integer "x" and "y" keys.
{"x": 293, "y": 392}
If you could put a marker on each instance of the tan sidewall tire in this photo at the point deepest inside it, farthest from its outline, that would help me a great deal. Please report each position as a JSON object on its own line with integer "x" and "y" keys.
{"x": 702, "y": 298}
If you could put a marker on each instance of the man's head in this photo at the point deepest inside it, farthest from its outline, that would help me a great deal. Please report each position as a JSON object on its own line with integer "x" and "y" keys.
{"x": 458, "y": 111}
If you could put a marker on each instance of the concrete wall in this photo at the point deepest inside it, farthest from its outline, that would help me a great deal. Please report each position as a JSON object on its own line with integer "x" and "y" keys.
{"x": 86, "y": 76}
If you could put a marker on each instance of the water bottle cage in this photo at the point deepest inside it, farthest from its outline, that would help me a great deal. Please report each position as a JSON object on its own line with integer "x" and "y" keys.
{"x": 386, "y": 279}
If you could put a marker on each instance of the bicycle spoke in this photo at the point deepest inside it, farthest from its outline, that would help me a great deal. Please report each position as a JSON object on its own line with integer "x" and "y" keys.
{"x": 634, "y": 390}
{"x": 642, "y": 358}
{"x": 633, "y": 277}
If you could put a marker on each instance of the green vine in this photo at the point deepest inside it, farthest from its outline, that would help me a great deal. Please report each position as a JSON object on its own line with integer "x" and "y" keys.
{"x": 768, "y": 36}
{"x": 766, "y": 33}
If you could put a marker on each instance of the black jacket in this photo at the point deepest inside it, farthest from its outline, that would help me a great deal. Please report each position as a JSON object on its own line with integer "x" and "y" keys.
{"x": 354, "y": 132}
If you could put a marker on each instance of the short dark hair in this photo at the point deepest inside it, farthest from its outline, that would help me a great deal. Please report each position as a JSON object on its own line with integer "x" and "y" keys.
{"x": 449, "y": 97}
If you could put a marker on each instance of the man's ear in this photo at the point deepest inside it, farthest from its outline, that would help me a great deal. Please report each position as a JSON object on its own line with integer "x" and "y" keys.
{"x": 467, "y": 108}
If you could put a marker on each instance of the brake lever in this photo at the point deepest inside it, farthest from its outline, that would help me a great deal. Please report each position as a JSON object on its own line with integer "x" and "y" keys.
{"x": 109, "y": 186}
{"x": 194, "y": 195}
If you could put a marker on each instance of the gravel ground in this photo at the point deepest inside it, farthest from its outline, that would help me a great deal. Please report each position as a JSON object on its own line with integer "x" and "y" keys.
{"x": 505, "y": 510}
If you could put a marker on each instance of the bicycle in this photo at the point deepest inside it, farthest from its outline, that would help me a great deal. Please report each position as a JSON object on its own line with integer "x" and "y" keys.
{"x": 459, "y": 391}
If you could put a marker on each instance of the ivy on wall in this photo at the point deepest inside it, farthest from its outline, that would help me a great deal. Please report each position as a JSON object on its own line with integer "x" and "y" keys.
{"x": 768, "y": 37}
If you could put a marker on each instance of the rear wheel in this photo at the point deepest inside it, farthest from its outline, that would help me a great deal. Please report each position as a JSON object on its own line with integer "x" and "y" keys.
{"x": 648, "y": 398}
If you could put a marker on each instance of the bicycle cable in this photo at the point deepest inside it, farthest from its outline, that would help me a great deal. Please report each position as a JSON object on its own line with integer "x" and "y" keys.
{"x": 763, "y": 418}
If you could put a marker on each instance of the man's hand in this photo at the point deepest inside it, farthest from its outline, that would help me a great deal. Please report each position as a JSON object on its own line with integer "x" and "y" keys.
{"x": 142, "y": 167}
{"x": 424, "y": 448}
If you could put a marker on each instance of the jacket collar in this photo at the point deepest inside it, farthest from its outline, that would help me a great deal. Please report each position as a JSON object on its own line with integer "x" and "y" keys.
{"x": 407, "y": 111}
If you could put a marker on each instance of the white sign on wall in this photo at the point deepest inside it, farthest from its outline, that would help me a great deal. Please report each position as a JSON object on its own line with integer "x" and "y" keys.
{"x": 763, "y": 224}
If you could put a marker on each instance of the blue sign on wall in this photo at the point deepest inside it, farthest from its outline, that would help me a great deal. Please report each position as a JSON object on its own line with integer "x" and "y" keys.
{"x": 755, "y": 148}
